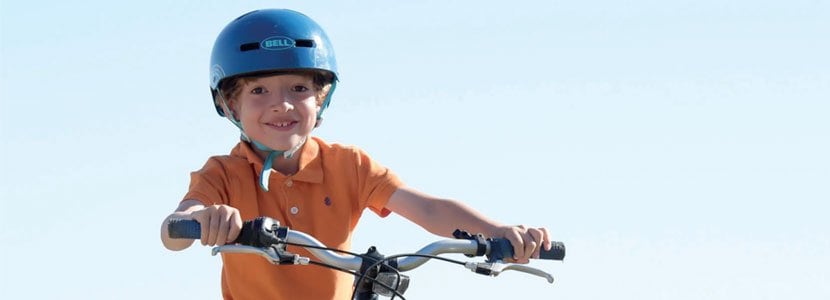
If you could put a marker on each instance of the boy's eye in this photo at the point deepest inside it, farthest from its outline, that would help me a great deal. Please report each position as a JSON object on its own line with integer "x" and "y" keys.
{"x": 299, "y": 88}
{"x": 258, "y": 90}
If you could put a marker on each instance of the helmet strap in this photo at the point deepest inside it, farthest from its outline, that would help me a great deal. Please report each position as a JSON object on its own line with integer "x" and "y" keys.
{"x": 229, "y": 114}
{"x": 327, "y": 101}
{"x": 267, "y": 165}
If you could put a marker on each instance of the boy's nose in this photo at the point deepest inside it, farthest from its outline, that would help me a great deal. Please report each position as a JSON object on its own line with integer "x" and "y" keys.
{"x": 280, "y": 103}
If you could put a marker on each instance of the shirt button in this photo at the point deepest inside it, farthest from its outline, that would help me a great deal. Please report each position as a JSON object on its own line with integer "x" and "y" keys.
{"x": 294, "y": 210}
{"x": 289, "y": 182}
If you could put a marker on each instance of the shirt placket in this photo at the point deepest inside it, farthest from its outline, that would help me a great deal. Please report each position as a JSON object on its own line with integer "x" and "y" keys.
{"x": 292, "y": 206}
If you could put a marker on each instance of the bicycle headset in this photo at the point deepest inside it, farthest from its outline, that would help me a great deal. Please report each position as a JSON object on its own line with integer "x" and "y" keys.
{"x": 269, "y": 41}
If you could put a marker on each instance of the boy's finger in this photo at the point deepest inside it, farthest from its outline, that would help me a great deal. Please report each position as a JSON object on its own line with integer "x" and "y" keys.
{"x": 546, "y": 240}
{"x": 214, "y": 229}
{"x": 530, "y": 244}
{"x": 538, "y": 241}
{"x": 222, "y": 233}
{"x": 518, "y": 246}
{"x": 235, "y": 224}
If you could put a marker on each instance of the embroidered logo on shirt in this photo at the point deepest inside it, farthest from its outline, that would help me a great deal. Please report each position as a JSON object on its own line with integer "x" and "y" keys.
{"x": 327, "y": 201}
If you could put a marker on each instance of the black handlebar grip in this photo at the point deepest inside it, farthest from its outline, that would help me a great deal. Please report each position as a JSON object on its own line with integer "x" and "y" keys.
{"x": 501, "y": 248}
{"x": 184, "y": 229}
{"x": 556, "y": 252}
{"x": 250, "y": 234}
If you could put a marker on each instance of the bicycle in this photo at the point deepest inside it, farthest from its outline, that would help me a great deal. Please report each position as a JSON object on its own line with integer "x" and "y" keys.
{"x": 377, "y": 275}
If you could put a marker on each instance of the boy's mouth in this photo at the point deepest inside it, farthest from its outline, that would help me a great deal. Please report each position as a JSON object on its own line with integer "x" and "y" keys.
{"x": 281, "y": 124}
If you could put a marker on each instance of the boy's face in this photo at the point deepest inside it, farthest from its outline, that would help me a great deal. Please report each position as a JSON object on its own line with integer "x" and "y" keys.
{"x": 278, "y": 111}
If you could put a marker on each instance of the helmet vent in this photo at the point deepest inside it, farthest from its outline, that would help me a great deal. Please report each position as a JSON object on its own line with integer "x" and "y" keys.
{"x": 305, "y": 43}
{"x": 249, "y": 47}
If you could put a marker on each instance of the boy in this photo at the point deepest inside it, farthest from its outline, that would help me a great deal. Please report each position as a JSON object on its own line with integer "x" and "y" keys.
{"x": 272, "y": 74}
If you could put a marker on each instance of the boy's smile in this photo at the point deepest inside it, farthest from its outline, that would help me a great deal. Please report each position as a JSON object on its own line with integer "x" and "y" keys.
{"x": 282, "y": 125}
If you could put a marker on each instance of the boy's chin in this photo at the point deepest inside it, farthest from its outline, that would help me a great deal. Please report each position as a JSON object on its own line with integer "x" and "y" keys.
{"x": 286, "y": 145}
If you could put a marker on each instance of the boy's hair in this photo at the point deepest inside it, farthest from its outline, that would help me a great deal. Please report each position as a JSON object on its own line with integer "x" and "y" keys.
{"x": 230, "y": 87}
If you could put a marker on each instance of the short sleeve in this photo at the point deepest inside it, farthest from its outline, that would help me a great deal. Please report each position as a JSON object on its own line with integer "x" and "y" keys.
{"x": 378, "y": 183}
{"x": 209, "y": 185}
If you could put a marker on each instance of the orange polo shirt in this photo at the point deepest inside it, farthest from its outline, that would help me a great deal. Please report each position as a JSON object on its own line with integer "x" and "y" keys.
{"x": 325, "y": 199}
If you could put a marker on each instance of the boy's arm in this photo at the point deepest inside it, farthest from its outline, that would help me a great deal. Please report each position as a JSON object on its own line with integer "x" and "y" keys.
{"x": 443, "y": 216}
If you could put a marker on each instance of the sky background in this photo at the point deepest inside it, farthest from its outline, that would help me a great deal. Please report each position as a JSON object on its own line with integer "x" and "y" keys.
{"x": 678, "y": 148}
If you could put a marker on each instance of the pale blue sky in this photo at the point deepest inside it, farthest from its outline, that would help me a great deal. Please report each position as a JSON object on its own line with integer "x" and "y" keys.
{"x": 678, "y": 148}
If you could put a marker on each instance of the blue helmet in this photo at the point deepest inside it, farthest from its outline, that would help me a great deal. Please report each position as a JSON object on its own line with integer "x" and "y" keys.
{"x": 270, "y": 40}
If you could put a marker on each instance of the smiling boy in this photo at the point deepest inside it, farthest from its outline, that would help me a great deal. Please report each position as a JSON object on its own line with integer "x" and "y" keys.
{"x": 273, "y": 73}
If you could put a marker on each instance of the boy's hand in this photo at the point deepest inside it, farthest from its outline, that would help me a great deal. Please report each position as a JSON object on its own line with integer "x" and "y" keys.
{"x": 220, "y": 224}
{"x": 527, "y": 242}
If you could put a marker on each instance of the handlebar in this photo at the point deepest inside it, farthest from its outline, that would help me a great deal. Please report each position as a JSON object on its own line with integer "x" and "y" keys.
{"x": 265, "y": 237}
{"x": 252, "y": 235}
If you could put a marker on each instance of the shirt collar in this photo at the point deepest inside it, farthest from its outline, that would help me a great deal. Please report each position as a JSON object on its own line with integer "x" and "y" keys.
{"x": 311, "y": 167}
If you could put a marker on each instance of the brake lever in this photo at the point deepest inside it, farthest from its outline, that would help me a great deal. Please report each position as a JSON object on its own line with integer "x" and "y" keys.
{"x": 496, "y": 268}
{"x": 273, "y": 254}
{"x": 526, "y": 269}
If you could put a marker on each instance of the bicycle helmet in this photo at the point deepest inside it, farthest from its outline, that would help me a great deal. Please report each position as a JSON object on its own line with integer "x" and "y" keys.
{"x": 269, "y": 41}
